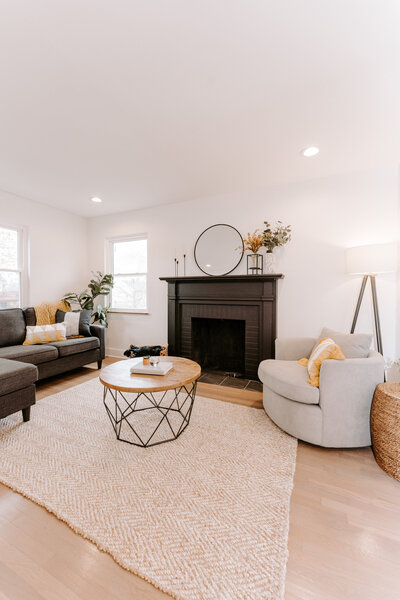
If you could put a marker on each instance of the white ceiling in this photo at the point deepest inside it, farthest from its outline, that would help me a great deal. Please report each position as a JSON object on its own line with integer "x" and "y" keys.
{"x": 152, "y": 101}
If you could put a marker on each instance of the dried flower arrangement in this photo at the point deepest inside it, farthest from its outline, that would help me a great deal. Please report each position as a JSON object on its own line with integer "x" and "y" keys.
{"x": 278, "y": 236}
{"x": 253, "y": 241}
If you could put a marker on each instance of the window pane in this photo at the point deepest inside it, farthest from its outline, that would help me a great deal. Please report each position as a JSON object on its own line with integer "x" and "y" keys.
{"x": 8, "y": 248}
{"x": 129, "y": 292}
{"x": 9, "y": 289}
{"x": 130, "y": 256}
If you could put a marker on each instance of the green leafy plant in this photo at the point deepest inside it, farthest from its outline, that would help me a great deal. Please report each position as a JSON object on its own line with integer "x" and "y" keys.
{"x": 99, "y": 285}
{"x": 101, "y": 314}
{"x": 278, "y": 236}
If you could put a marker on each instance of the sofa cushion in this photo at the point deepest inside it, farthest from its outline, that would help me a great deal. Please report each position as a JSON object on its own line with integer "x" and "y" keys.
{"x": 12, "y": 326}
{"x": 289, "y": 379}
{"x": 77, "y": 345}
{"x": 16, "y": 375}
{"x": 353, "y": 345}
{"x": 30, "y": 315}
{"x": 30, "y": 354}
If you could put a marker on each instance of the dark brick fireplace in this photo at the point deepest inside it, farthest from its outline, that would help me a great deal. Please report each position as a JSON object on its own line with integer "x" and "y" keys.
{"x": 226, "y": 323}
{"x": 219, "y": 344}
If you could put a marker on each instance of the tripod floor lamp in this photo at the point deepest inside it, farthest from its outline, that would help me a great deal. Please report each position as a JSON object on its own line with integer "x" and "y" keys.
{"x": 368, "y": 261}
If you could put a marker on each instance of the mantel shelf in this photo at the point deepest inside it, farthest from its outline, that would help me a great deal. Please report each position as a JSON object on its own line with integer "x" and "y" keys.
{"x": 246, "y": 278}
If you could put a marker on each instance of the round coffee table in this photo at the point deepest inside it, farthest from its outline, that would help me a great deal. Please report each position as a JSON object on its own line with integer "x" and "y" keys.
{"x": 146, "y": 410}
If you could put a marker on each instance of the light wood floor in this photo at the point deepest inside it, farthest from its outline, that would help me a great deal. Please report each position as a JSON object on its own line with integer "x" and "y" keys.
{"x": 344, "y": 539}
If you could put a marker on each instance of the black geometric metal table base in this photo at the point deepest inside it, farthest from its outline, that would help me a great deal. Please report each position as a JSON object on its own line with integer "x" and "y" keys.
{"x": 149, "y": 418}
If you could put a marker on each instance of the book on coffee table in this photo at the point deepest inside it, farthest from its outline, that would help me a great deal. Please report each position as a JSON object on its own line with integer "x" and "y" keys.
{"x": 162, "y": 368}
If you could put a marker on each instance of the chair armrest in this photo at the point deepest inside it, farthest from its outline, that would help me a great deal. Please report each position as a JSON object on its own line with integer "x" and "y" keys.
{"x": 100, "y": 332}
{"x": 352, "y": 373}
{"x": 293, "y": 348}
{"x": 346, "y": 391}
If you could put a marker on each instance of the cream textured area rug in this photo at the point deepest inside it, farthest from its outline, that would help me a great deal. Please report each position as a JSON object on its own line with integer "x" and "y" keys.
{"x": 205, "y": 517}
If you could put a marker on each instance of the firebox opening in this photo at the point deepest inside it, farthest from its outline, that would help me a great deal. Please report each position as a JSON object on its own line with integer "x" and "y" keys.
{"x": 219, "y": 344}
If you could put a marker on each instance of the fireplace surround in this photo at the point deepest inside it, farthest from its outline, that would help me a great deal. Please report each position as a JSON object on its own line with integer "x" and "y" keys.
{"x": 251, "y": 299}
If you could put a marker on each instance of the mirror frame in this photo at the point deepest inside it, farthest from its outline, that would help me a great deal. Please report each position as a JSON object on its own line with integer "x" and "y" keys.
{"x": 240, "y": 257}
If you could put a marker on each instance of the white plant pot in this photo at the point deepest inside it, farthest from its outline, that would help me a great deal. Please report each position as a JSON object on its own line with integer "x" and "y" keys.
{"x": 270, "y": 262}
{"x": 393, "y": 374}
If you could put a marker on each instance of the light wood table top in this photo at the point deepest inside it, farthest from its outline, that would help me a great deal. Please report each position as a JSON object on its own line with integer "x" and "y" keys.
{"x": 118, "y": 376}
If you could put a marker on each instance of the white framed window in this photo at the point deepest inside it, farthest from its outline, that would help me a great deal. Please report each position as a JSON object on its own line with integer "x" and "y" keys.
{"x": 13, "y": 267}
{"x": 126, "y": 259}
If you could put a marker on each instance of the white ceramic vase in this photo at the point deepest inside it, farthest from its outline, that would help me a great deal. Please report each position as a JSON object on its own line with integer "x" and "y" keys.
{"x": 270, "y": 262}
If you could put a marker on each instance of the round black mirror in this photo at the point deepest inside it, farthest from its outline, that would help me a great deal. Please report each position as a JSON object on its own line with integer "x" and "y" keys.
{"x": 219, "y": 250}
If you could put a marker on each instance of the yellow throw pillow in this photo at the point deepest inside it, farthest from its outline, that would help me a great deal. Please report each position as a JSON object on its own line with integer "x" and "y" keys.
{"x": 326, "y": 349}
{"x": 44, "y": 334}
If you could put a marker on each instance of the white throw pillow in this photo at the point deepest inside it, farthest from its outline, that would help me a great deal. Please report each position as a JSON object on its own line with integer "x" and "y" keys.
{"x": 71, "y": 322}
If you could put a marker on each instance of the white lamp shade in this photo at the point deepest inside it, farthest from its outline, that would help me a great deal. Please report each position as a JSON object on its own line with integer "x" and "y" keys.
{"x": 374, "y": 258}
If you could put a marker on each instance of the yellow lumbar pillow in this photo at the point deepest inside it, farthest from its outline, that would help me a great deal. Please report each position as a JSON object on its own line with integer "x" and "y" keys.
{"x": 44, "y": 334}
{"x": 326, "y": 349}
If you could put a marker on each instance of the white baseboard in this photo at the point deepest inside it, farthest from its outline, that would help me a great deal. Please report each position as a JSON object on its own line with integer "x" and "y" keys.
{"x": 115, "y": 352}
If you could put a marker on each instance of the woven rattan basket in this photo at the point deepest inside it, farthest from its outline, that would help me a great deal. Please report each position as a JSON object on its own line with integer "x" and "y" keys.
{"x": 385, "y": 427}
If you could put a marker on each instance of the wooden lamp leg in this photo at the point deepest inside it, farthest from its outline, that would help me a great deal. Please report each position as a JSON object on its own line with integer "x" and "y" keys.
{"x": 376, "y": 310}
{"x": 376, "y": 315}
{"x": 359, "y": 301}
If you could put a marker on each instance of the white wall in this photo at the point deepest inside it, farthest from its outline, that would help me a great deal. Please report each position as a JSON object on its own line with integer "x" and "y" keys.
{"x": 398, "y": 278}
{"x": 57, "y": 247}
{"x": 327, "y": 215}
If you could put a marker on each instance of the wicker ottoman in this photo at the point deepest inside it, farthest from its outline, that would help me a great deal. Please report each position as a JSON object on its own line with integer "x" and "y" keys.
{"x": 385, "y": 427}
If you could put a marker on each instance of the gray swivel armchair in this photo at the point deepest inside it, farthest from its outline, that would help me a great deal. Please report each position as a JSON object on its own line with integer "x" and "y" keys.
{"x": 335, "y": 415}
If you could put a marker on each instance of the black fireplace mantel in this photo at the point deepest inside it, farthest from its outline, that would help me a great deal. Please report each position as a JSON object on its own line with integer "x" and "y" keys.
{"x": 251, "y": 298}
{"x": 247, "y": 278}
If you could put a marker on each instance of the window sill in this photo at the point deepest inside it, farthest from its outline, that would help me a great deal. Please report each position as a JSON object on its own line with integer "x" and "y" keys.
{"x": 129, "y": 311}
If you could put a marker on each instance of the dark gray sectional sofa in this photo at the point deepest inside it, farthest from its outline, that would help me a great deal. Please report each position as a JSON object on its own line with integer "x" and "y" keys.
{"x": 21, "y": 366}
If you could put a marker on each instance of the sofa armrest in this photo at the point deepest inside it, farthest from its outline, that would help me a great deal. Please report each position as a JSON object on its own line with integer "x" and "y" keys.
{"x": 99, "y": 332}
{"x": 346, "y": 391}
{"x": 293, "y": 348}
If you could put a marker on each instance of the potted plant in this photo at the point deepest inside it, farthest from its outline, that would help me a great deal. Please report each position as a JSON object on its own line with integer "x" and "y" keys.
{"x": 99, "y": 285}
{"x": 272, "y": 238}
{"x": 253, "y": 242}
{"x": 392, "y": 370}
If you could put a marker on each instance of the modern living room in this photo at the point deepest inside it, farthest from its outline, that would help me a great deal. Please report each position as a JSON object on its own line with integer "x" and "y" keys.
{"x": 200, "y": 300}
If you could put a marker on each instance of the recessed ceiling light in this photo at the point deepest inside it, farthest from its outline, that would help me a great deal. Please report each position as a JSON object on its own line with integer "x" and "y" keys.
{"x": 98, "y": 200}
{"x": 311, "y": 151}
